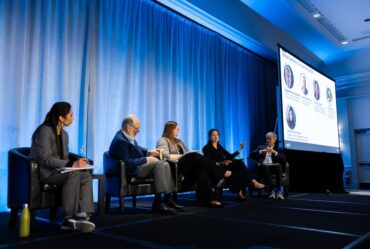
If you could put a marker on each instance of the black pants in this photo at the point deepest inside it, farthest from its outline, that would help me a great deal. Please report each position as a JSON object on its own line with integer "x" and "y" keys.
{"x": 204, "y": 173}
{"x": 266, "y": 171}
{"x": 239, "y": 178}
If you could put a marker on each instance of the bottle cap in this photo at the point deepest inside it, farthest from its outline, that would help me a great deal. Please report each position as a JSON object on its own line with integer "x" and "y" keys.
{"x": 25, "y": 205}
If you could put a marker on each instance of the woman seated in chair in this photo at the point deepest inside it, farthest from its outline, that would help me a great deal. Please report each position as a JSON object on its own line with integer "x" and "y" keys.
{"x": 50, "y": 149}
{"x": 192, "y": 166}
{"x": 240, "y": 176}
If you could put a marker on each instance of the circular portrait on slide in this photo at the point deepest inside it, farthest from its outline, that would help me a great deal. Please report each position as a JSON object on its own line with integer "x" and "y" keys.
{"x": 288, "y": 76}
{"x": 290, "y": 117}
{"x": 316, "y": 90}
{"x": 329, "y": 95}
{"x": 304, "y": 84}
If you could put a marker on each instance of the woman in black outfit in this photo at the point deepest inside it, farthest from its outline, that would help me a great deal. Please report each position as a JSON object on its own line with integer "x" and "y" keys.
{"x": 192, "y": 166}
{"x": 240, "y": 176}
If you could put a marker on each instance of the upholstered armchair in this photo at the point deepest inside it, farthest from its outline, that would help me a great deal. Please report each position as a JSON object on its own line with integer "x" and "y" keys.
{"x": 24, "y": 186}
{"x": 119, "y": 184}
{"x": 254, "y": 165}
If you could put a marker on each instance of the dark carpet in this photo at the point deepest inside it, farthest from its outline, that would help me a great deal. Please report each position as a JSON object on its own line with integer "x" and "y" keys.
{"x": 301, "y": 221}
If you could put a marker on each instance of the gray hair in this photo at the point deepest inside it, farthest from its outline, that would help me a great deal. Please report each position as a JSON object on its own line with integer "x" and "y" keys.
{"x": 272, "y": 134}
{"x": 129, "y": 120}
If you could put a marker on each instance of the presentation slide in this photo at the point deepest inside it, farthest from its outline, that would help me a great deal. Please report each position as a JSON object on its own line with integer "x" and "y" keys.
{"x": 309, "y": 109}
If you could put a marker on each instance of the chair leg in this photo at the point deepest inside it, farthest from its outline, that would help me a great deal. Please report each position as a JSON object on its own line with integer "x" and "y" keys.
{"x": 246, "y": 193}
{"x": 134, "y": 201}
{"x": 250, "y": 191}
{"x": 219, "y": 193}
{"x": 53, "y": 213}
{"x": 286, "y": 190}
{"x": 259, "y": 193}
{"x": 32, "y": 221}
{"x": 121, "y": 204}
{"x": 197, "y": 196}
{"x": 107, "y": 202}
{"x": 101, "y": 196}
{"x": 13, "y": 217}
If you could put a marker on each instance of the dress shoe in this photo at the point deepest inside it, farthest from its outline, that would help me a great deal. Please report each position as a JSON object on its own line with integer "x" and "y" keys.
{"x": 163, "y": 209}
{"x": 176, "y": 206}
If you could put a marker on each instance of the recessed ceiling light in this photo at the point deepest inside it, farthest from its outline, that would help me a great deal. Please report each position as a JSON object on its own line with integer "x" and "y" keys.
{"x": 316, "y": 15}
{"x": 344, "y": 42}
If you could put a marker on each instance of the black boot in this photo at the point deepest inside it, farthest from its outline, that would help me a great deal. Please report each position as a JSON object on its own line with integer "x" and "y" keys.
{"x": 172, "y": 204}
{"x": 160, "y": 207}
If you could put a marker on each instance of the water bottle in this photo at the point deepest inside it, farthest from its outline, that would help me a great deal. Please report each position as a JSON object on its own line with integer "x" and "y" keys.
{"x": 24, "y": 229}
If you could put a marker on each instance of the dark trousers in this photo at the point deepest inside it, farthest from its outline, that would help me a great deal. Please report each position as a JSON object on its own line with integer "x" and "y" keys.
{"x": 203, "y": 172}
{"x": 77, "y": 194}
{"x": 266, "y": 171}
{"x": 239, "y": 178}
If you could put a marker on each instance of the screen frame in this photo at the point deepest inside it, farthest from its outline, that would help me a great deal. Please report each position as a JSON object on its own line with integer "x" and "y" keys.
{"x": 280, "y": 47}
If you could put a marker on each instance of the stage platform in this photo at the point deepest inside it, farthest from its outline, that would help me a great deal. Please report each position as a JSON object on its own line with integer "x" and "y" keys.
{"x": 304, "y": 220}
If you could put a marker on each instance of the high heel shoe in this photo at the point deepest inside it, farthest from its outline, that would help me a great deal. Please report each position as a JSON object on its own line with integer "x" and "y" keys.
{"x": 257, "y": 185}
{"x": 215, "y": 204}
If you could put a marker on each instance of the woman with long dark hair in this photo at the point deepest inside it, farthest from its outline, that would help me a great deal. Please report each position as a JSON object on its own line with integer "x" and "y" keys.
{"x": 192, "y": 166}
{"x": 240, "y": 176}
{"x": 50, "y": 149}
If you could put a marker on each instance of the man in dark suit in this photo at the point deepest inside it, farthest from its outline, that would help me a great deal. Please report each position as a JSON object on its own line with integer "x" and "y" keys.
{"x": 143, "y": 163}
{"x": 268, "y": 155}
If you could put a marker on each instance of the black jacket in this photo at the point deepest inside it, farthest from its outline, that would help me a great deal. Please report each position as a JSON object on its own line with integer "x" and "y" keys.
{"x": 260, "y": 157}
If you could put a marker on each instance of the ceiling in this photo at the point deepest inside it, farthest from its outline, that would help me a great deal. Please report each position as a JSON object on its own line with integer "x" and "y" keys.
{"x": 340, "y": 20}
{"x": 260, "y": 25}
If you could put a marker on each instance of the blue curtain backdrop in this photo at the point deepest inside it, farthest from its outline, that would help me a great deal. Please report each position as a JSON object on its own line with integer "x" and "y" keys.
{"x": 43, "y": 51}
{"x": 113, "y": 58}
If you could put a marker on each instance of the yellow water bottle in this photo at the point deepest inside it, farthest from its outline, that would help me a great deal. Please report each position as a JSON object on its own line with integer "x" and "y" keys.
{"x": 24, "y": 229}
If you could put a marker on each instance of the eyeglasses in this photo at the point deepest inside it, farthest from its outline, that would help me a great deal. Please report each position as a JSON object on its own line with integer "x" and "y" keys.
{"x": 137, "y": 129}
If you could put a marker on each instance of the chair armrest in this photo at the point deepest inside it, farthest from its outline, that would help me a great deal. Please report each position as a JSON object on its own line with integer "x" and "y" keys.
{"x": 124, "y": 190}
{"x": 111, "y": 166}
{"x": 252, "y": 162}
{"x": 286, "y": 173}
{"x": 175, "y": 172}
{"x": 287, "y": 167}
{"x": 174, "y": 168}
